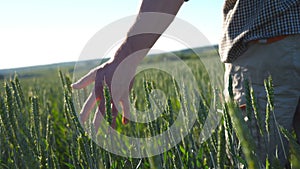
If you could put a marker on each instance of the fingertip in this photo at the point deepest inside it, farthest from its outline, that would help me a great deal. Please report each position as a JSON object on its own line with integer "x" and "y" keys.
{"x": 113, "y": 124}
{"x": 78, "y": 85}
{"x": 125, "y": 121}
{"x": 74, "y": 85}
{"x": 126, "y": 110}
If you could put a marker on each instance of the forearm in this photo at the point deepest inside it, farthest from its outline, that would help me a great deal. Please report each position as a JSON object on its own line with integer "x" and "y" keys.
{"x": 153, "y": 19}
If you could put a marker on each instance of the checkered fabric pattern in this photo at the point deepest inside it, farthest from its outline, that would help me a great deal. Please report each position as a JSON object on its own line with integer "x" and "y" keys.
{"x": 247, "y": 20}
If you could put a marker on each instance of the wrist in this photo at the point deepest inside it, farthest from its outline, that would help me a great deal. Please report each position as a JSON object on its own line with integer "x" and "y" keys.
{"x": 134, "y": 48}
{"x": 123, "y": 52}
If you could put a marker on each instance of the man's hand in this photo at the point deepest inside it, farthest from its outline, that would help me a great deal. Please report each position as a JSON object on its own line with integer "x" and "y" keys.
{"x": 153, "y": 19}
{"x": 118, "y": 76}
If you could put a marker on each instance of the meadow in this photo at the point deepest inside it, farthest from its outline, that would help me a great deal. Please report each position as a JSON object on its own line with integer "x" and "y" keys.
{"x": 39, "y": 127}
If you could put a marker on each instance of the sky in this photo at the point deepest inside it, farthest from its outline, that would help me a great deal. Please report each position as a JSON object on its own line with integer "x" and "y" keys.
{"x": 38, "y": 32}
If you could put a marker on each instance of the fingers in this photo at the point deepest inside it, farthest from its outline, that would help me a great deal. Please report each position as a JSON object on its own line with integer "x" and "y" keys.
{"x": 126, "y": 109}
{"x": 85, "y": 80}
{"x": 97, "y": 120}
{"x": 99, "y": 115}
{"x": 114, "y": 114}
{"x": 87, "y": 107}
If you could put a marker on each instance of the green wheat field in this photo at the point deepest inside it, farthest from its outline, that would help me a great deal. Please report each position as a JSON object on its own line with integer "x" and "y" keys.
{"x": 39, "y": 127}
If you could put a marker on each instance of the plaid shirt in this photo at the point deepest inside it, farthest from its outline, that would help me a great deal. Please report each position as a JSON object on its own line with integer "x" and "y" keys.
{"x": 247, "y": 20}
